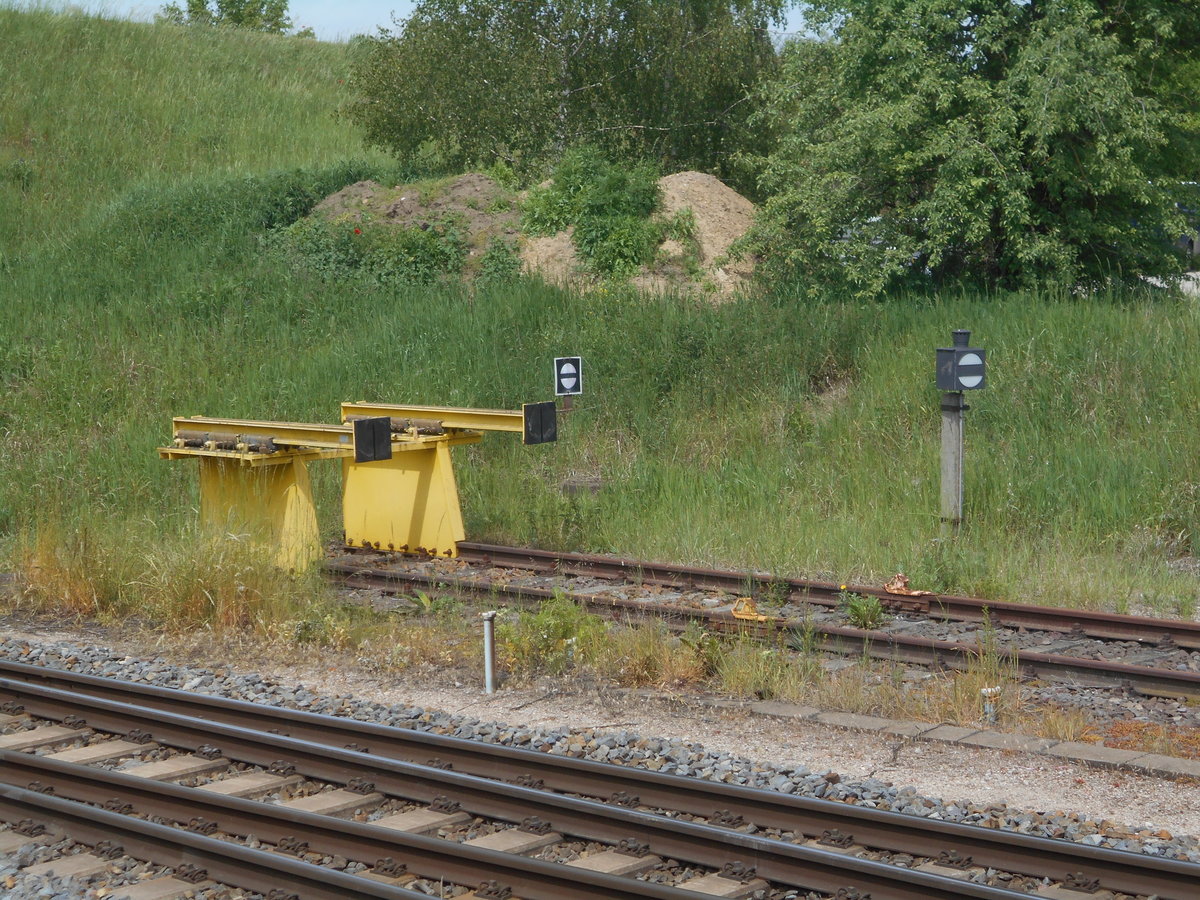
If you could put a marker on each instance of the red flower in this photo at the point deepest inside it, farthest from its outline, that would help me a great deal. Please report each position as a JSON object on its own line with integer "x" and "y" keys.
{"x": 358, "y": 231}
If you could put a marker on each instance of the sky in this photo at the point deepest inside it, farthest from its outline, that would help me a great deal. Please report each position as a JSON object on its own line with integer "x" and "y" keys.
{"x": 334, "y": 21}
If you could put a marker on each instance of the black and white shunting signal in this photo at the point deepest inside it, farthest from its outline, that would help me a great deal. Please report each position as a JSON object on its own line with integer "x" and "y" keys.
{"x": 961, "y": 368}
{"x": 568, "y": 376}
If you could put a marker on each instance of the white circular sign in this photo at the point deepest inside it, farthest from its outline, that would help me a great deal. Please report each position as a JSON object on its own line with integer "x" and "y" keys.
{"x": 970, "y": 359}
{"x": 566, "y": 376}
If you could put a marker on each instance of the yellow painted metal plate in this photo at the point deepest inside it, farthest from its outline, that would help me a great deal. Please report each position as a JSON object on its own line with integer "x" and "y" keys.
{"x": 408, "y": 503}
{"x": 269, "y": 505}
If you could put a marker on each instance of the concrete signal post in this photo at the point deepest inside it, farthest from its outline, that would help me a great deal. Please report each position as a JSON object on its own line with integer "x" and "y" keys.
{"x": 959, "y": 368}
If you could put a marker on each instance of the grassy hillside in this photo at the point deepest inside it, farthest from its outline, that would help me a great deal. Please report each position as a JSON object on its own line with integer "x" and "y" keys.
{"x": 90, "y": 106}
{"x": 774, "y": 433}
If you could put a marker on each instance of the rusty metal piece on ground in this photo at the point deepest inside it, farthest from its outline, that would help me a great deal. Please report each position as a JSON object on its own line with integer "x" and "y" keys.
{"x": 745, "y": 608}
{"x": 493, "y": 890}
{"x": 208, "y": 751}
{"x": 623, "y": 798}
{"x": 534, "y": 825}
{"x": 74, "y": 721}
{"x": 282, "y": 767}
{"x": 1078, "y": 881}
{"x": 443, "y": 804}
{"x": 292, "y": 845}
{"x": 29, "y": 828}
{"x": 632, "y": 847}
{"x": 899, "y": 585}
{"x": 201, "y": 825}
{"x": 726, "y": 819}
{"x": 191, "y": 874}
{"x": 832, "y": 837}
{"x": 108, "y": 850}
{"x": 389, "y": 867}
{"x": 952, "y": 859}
{"x": 138, "y": 736}
{"x": 117, "y": 805}
{"x": 360, "y": 785}
{"x": 738, "y": 871}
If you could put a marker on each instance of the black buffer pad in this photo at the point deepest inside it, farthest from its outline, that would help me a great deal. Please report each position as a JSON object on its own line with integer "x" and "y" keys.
{"x": 541, "y": 422}
{"x": 372, "y": 439}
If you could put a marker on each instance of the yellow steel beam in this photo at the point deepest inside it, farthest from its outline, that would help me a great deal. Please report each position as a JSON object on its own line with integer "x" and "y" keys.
{"x": 289, "y": 434}
{"x": 450, "y": 417}
{"x": 284, "y": 457}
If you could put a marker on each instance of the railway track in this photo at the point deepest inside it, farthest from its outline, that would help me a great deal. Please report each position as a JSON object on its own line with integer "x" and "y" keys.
{"x": 710, "y": 838}
{"x": 1156, "y": 657}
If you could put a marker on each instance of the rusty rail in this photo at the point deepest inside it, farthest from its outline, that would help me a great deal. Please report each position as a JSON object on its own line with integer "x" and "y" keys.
{"x": 1108, "y": 626}
{"x": 842, "y": 639}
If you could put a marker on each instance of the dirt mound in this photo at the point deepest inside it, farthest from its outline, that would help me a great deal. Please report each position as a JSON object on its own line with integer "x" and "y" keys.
{"x": 483, "y": 210}
{"x": 476, "y": 205}
{"x": 722, "y": 214}
{"x": 553, "y": 257}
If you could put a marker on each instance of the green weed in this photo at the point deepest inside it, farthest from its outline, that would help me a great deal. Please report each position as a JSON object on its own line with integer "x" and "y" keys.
{"x": 861, "y": 610}
{"x": 549, "y": 639}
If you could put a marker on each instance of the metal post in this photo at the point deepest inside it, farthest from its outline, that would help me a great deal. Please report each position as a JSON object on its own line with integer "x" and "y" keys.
{"x": 489, "y": 652}
{"x": 952, "y": 462}
{"x": 989, "y": 696}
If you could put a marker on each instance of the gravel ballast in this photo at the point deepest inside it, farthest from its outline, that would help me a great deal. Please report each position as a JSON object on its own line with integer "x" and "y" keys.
{"x": 671, "y": 755}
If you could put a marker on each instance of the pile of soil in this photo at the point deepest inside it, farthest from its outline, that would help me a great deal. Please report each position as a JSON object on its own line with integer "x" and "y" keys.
{"x": 484, "y": 211}
{"x": 476, "y": 205}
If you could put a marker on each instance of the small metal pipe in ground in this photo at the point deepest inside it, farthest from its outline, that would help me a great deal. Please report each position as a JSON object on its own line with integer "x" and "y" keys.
{"x": 489, "y": 651}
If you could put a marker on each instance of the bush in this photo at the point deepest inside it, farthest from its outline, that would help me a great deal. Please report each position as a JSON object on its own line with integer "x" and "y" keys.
{"x": 498, "y": 265}
{"x": 548, "y": 639}
{"x": 610, "y": 207}
{"x": 387, "y": 255}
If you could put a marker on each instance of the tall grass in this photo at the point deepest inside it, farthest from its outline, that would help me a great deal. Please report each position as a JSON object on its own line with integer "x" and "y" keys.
{"x": 770, "y": 432}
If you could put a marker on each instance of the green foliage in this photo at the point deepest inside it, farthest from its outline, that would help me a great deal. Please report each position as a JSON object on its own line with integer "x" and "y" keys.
{"x": 549, "y": 639}
{"x": 519, "y": 81}
{"x": 861, "y": 610}
{"x": 269, "y": 16}
{"x": 767, "y": 433}
{"x": 617, "y": 245}
{"x": 997, "y": 143}
{"x": 609, "y": 205}
{"x": 498, "y": 265}
{"x": 388, "y": 255}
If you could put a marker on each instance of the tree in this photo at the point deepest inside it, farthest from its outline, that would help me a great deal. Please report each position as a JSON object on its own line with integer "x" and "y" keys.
{"x": 989, "y": 141}
{"x": 255, "y": 15}
{"x": 519, "y": 80}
